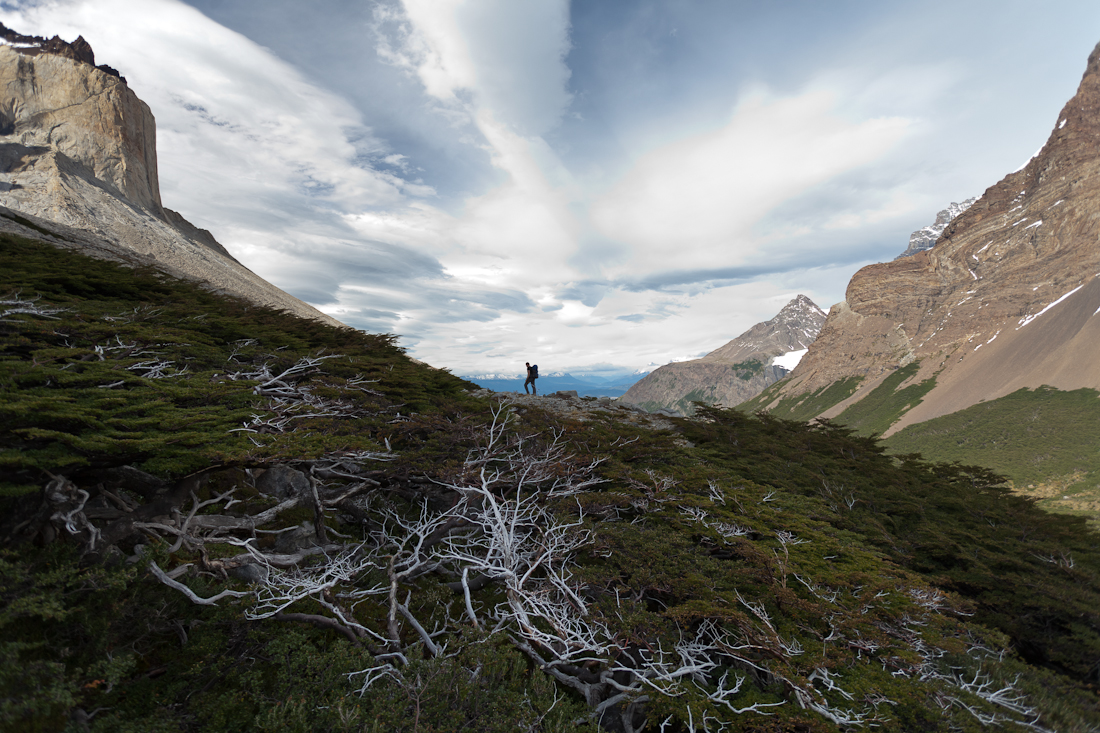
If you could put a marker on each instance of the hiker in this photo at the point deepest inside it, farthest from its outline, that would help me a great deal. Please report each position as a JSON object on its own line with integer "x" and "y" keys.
{"x": 532, "y": 375}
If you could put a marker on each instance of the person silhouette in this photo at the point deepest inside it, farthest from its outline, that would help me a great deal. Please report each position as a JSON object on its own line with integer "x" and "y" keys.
{"x": 532, "y": 375}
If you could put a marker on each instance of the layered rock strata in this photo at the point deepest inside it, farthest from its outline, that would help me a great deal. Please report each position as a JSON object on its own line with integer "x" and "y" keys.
{"x": 736, "y": 372}
{"x": 78, "y": 149}
{"x": 1007, "y": 298}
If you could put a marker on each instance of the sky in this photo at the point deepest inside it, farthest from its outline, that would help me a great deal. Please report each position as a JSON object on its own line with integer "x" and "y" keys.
{"x": 593, "y": 186}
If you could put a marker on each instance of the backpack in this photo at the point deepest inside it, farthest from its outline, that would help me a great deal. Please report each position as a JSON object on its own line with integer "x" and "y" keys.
{"x": 534, "y": 371}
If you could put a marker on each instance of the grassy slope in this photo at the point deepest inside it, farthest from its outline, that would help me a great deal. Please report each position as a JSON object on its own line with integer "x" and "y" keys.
{"x": 805, "y": 406}
{"x": 58, "y": 412}
{"x": 873, "y": 529}
{"x": 1042, "y": 440}
{"x": 876, "y": 412}
{"x": 1035, "y": 437}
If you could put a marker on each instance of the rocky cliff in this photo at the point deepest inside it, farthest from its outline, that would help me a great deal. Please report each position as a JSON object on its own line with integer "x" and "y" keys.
{"x": 1007, "y": 298}
{"x": 736, "y": 372}
{"x": 78, "y": 149}
{"x": 925, "y": 237}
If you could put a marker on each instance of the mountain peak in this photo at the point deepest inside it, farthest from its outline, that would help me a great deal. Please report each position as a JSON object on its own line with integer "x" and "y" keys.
{"x": 795, "y": 327}
{"x": 800, "y": 308}
{"x": 78, "y": 152}
{"x": 925, "y": 237}
{"x": 1025, "y": 250}
{"x": 79, "y": 50}
{"x": 738, "y": 371}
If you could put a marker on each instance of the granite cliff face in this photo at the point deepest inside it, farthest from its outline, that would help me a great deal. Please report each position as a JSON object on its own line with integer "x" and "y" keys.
{"x": 1007, "y": 298}
{"x": 736, "y": 372}
{"x": 78, "y": 149}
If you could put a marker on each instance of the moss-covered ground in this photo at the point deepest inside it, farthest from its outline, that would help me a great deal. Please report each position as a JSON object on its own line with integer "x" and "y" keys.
{"x": 875, "y": 581}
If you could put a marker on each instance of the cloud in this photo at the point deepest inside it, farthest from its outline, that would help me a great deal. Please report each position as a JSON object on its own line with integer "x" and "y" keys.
{"x": 426, "y": 41}
{"x": 493, "y": 55}
{"x": 498, "y": 64}
{"x": 292, "y": 179}
{"x": 702, "y": 195}
{"x": 234, "y": 121}
{"x": 500, "y": 181}
{"x": 287, "y": 175}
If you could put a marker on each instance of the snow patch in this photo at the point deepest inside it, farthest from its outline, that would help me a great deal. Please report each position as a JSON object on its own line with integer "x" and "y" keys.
{"x": 1028, "y": 319}
{"x": 6, "y": 42}
{"x": 789, "y": 360}
{"x": 1061, "y": 124}
{"x": 1029, "y": 226}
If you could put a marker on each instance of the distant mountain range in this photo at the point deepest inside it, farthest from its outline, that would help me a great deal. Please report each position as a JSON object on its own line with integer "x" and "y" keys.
{"x": 586, "y": 385}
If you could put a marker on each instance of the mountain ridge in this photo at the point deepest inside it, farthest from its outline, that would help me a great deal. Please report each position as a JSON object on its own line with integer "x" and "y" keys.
{"x": 925, "y": 237}
{"x": 735, "y": 372}
{"x": 1024, "y": 251}
{"x": 78, "y": 149}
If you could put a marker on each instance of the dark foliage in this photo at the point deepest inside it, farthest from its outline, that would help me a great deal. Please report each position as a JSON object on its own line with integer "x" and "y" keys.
{"x": 1029, "y": 573}
{"x": 806, "y": 560}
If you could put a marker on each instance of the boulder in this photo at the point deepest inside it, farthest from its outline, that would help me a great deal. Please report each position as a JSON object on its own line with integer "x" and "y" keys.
{"x": 283, "y": 482}
{"x": 299, "y": 538}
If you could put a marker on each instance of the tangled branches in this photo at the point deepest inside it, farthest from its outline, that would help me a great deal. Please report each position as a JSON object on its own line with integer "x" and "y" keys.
{"x": 14, "y": 305}
{"x": 289, "y": 399}
{"x": 502, "y": 536}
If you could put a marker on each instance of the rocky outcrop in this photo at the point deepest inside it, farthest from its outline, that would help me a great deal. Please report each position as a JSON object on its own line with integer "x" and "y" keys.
{"x": 79, "y": 50}
{"x": 736, "y": 372}
{"x": 78, "y": 152}
{"x": 925, "y": 237}
{"x": 1007, "y": 298}
{"x": 54, "y": 104}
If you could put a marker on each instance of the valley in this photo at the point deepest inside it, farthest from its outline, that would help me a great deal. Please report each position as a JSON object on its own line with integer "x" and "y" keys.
{"x": 222, "y": 509}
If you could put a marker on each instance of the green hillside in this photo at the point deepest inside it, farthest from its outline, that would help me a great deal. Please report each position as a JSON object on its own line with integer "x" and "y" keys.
{"x": 216, "y": 517}
{"x": 876, "y": 412}
{"x": 804, "y": 406}
{"x": 1044, "y": 440}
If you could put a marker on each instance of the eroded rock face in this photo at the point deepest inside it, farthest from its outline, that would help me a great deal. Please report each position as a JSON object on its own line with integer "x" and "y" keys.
{"x": 736, "y": 372}
{"x": 1005, "y": 299}
{"x": 78, "y": 149}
